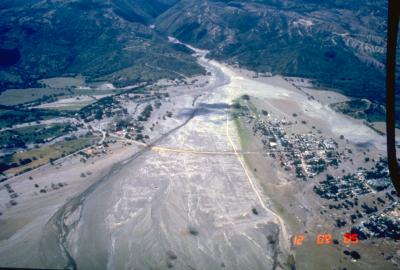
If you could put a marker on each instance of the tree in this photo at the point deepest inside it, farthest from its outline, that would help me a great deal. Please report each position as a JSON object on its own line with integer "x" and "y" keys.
{"x": 246, "y": 97}
{"x": 139, "y": 137}
{"x": 51, "y": 161}
{"x": 98, "y": 115}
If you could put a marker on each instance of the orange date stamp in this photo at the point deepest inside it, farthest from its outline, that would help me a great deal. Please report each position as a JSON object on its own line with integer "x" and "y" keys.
{"x": 327, "y": 239}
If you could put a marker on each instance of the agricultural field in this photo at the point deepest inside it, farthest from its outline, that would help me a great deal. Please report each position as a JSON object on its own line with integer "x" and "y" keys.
{"x": 27, "y": 160}
{"x": 71, "y": 104}
{"x": 10, "y": 116}
{"x": 20, "y": 137}
{"x": 14, "y": 97}
{"x": 38, "y": 96}
{"x": 62, "y": 82}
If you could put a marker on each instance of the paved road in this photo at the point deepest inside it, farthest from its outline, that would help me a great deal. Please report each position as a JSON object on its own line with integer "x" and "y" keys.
{"x": 166, "y": 209}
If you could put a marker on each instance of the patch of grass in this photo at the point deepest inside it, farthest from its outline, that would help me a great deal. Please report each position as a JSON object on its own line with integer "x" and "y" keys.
{"x": 246, "y": 144}
{"x": 19, "y": 96}
{"x": 33, "y": 134}
{"x": 291, "y": 262}
{"x": 244, "y": 141}
{"x": 12, "y": 116}
{"x": 70, "y": 107}
{"x": 14, "y": 97}
{"x": 62, "y": 82}
{"x": 362, "y": 109}
{"x": 46, "y": 154}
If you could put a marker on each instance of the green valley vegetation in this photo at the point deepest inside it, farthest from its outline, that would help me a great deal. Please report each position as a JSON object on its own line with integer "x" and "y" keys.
{"x": 10, "y": 116}
{"x": 27, "y": 160}
{"x": 104, "y": 107}
{"x": 145, "y": 113}
{"x": 20, "y": 137}
{"x": 362, "y": 109}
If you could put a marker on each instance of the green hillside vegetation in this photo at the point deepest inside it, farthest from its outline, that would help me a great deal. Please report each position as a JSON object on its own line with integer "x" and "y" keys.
{"x": 95, "y": 39}
{"x": 340, "y": 45}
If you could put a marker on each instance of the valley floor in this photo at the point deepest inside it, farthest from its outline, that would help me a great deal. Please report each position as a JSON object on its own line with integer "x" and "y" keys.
{"x": 198, "y": 195}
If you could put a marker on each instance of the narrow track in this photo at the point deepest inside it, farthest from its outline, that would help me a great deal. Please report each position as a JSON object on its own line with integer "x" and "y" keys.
{"x": 285, "y": 240}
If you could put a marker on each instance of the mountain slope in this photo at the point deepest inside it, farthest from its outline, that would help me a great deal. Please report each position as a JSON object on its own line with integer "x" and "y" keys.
{"x": 98, "y": 39}
{"x": 341, "y": 44}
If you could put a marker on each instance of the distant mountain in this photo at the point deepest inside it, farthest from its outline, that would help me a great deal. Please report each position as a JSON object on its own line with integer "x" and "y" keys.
{"x": 141, "y": 11}
{"x": 110, "y": 40}
{"x": 339, "y": 43}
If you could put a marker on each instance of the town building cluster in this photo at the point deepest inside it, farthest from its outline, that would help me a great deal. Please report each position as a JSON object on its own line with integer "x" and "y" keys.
{"x": 306, "y": 155}
{"x": 362, "y": 182}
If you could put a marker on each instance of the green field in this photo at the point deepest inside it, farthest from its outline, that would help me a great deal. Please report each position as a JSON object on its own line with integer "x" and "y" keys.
{"x": 62, "y": 82}
{"x": 70, "y": 108}
{"x": 11, "y": 116}
{"x": 13, "y": 97}
{"x": 43, "y": 155}
{"x": 361, "y": 109}
{"x": 33, "y": 134}
{"x": 39, "y": 96}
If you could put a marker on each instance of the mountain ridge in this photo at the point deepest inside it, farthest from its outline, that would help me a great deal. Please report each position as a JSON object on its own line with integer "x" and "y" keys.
{"x": 340, "y": 45}
{"x": 58, "y": 38}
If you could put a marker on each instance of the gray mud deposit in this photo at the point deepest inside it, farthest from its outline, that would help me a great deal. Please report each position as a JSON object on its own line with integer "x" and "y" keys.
{"x": 180, "y": 210}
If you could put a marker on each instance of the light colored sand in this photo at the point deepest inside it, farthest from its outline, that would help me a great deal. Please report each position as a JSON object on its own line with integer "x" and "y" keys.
{"x": 23, "y": 223}
{"x": 339, "y": 124}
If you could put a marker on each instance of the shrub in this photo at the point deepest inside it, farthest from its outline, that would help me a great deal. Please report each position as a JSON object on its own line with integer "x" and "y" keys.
{"x": 193, "y": 231}
{"x": 246, "y": 97}
{"x": 139, "y": 137}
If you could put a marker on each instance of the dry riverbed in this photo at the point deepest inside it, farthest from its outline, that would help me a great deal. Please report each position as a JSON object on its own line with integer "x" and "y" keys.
{"x": 199, "y": 194}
